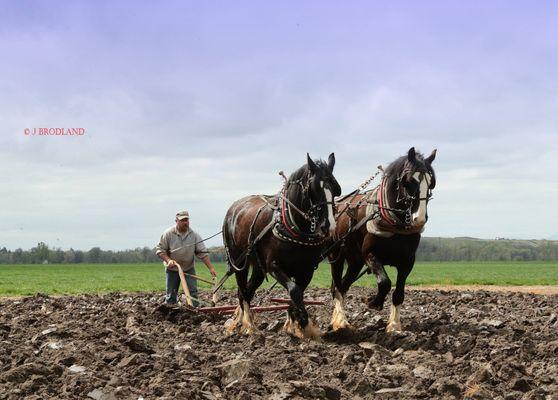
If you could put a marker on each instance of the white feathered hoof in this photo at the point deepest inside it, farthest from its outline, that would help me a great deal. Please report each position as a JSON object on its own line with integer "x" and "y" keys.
{"x": 310, "y": 331}
{"x": 242, "y": 322}
{"x": 339, "y": 321}
{"x": 232, "y": 324}
{"x": 248, "y": 326}
{"x": 341, "y": 325}
{"x": 394, "y": 327}
{"x": 394, "y": 322}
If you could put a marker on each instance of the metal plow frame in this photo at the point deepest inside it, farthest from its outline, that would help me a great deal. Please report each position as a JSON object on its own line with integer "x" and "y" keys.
{"x": 284, "y": 304}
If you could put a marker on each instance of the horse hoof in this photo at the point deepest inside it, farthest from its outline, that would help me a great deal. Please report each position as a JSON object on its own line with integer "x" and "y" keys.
{"x": 374, "y": 304}
{"x": 343, "y": 326}
{"x": 393, "y": 328}
{"x": 230, "y": 326}
{"x": 248, "y": 329}
{"x": 310, "y": 331}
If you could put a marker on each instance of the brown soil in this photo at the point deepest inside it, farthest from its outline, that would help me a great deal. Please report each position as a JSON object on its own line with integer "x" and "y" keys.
{"x": 491, "y": 288}
{"x": 127, "y": 346}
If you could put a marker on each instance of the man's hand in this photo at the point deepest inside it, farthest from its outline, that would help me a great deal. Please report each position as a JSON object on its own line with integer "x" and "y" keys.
{"x": 209, "y": 266}
{"x": 172, "y": 265}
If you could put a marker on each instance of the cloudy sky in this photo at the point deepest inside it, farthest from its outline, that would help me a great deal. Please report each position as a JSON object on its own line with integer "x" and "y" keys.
{"x": 192, "y": 105}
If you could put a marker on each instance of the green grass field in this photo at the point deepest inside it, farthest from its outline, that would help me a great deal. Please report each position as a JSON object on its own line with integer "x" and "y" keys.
{"x": 102, "y": 278}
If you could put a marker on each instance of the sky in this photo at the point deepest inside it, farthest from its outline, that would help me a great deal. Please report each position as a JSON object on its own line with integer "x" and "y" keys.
{"x": 193, "y": 105}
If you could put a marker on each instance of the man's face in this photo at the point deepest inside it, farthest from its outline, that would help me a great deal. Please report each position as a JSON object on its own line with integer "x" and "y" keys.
{"x": 183, "y": 224}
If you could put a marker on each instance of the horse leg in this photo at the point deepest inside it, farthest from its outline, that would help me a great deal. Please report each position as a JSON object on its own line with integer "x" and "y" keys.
{"x": 238, "y": 316}
{"x": 394, "y": 322}
{"x": 376, "y": 266}
{"x": 338, "y": 318}
{"x": 311, "y": 330}
{"x": 296, "y": 311}
{"x": 384, "y": 283}
{"x": 256, "y": 279}
{"x": 354, "y": 264}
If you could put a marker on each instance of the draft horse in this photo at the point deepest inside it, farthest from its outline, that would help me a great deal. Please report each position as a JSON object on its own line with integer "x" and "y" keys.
{"x": 283, "y": 236}
{"x": 382, "y": 227}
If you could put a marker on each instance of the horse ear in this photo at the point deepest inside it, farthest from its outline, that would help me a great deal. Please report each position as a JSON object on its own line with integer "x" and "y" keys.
{"x": 431, "y": 157}
{"x": 331, "y": 162}
{"x": 411, "y": 156}
{"x": 311, "y": 166}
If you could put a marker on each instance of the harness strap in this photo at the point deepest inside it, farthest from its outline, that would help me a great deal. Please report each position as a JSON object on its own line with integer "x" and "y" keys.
{"x": 246, "y": 253}
{"x": 382, "y": 201}
{"x": 285, "y": 238}
{"x": 284, "y": 216}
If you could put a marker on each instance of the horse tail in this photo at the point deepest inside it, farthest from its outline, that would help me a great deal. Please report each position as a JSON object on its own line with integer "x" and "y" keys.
{"x": 226, "y": 239}
{"x": 228, "y": 242}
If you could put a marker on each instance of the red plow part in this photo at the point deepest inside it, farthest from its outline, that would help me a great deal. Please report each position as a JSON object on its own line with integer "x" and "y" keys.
{"x": 220, "y": 309}
{"x": 231, "y": 309}
{"x": 284, "y": 304}
{"x": 307, "y": 302}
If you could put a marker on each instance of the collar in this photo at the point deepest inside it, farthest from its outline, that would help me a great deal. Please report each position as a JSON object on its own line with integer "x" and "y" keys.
{"x": 181, "y": 234}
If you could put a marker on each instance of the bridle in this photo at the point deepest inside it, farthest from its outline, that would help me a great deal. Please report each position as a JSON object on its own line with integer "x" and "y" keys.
{"x": 403, "y": 197}
{"x": 312, "y": 215}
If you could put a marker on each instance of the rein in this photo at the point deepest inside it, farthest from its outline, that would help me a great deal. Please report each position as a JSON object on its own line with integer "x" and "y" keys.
{"x": 357, "y": 191}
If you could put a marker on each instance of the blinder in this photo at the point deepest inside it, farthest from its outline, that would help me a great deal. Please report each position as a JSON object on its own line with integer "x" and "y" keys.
{"x": 314, "y": 213}
{"x": 408, "y": 196}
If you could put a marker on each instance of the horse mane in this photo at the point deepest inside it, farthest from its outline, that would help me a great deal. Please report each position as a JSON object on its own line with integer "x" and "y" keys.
{"x": 303, "y": 171}
{"x": 394, "y": 168}
{"x": 302, "y": 174}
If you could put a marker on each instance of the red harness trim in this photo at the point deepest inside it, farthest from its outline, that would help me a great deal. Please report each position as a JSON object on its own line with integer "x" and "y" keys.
{"x": 383, "y": 212}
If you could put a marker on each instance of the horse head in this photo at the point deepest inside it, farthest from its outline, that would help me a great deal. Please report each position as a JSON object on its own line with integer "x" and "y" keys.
{"x": 414, "y": 181}
{"x": 323, "y": 188}
{"x": 313, "y": 187}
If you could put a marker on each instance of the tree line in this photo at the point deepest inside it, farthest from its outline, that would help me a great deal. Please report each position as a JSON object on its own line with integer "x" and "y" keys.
{"x": 470, "y": 249}
{"x": 430, "y": 249}
{"x": 43, "y": 254}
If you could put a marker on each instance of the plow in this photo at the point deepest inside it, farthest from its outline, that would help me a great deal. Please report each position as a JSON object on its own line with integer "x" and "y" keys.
{"x": 279, "y": 304}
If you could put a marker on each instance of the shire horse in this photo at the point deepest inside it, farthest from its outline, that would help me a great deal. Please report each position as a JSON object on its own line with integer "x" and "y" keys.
{"x": 283, "y": 236}
{"x": 382, "y": 227}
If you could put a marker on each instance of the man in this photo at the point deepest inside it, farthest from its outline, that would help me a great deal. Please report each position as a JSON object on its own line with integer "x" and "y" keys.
{"x": 178, "y": 245}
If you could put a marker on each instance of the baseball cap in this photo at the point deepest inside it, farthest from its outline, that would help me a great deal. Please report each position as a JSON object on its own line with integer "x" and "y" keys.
{"x": 182, "y": 215}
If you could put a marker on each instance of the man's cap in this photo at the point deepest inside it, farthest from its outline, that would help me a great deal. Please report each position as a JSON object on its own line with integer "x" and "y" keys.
{"x": 182, "y": 215}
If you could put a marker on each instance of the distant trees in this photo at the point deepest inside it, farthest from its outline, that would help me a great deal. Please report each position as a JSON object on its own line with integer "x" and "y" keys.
{"x": 43, "y": 254}
{"x": 430, "y": 249}
{"x": 93, "y": 255}
{"x": 469, "y": 249}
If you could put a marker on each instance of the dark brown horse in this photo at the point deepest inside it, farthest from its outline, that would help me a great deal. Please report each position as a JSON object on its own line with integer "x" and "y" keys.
{"x": 382, "y": 227}
{"x": 281, "y": 235}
